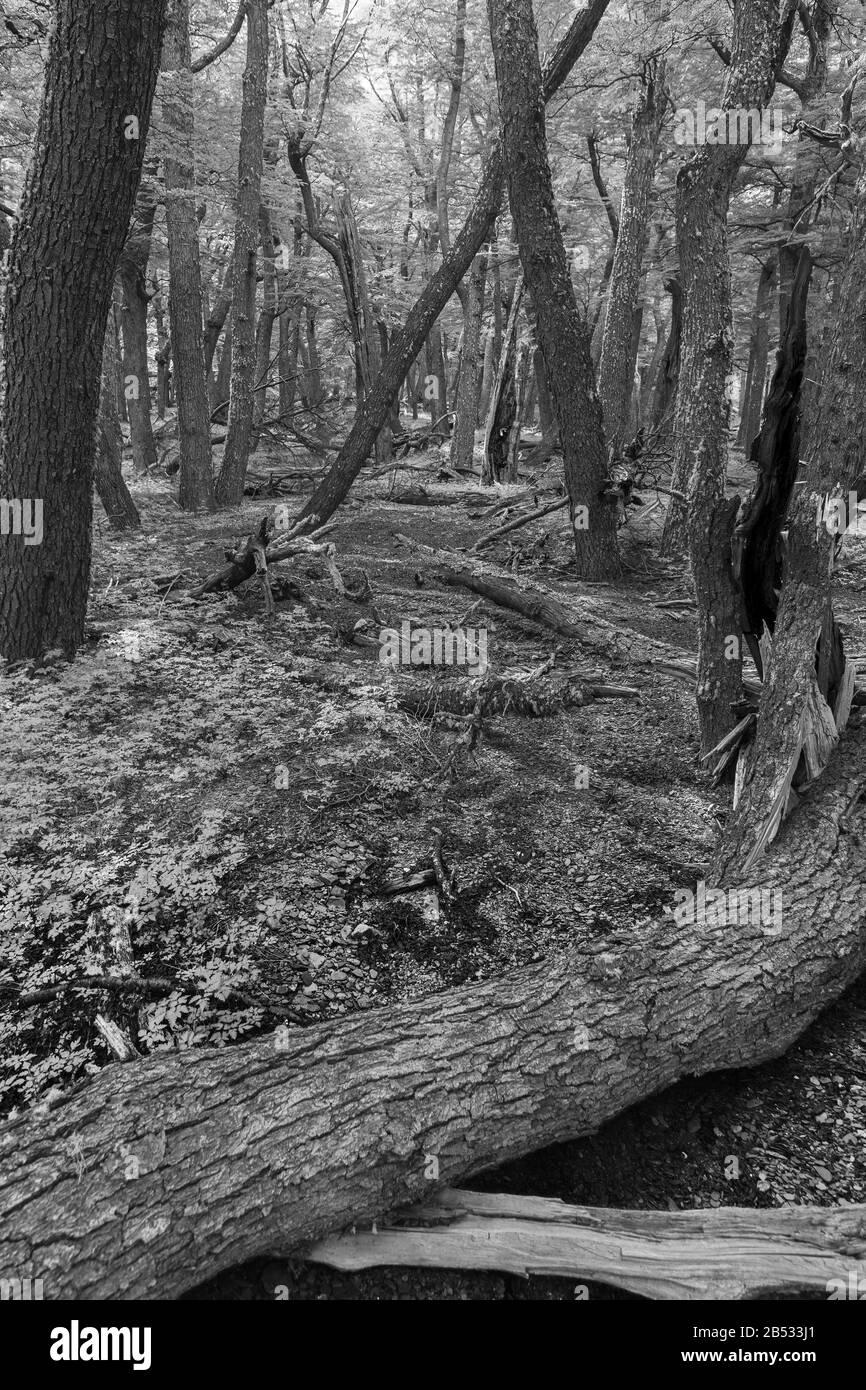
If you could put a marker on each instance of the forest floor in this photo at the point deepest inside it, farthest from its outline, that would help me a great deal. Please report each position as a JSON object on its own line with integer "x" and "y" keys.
{"x": 240, "y": 789}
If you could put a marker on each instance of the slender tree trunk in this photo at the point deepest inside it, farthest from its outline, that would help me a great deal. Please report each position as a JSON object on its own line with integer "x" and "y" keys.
{"x": 618, "y": 349}
{"x": 184, "y": 282}
{"x": 665, "y": 390}
{"x": 703, "y": 406}
{"x": 75, "y": 210}
{"x": 214, "y": 326}
{"x": 163, "y": 352}
{"x": 499, "y": 425}
{"x": 759, "y": 348}
{"x": 267, "y": 314}
{"x": 230, "y": 483}
{"x": 562, "y": 336}
{"x": 108, "y": 476}
{"x": 133, "y": 315}
{"x": 487, "y": 375}
{"x": 407, "y": 343}
{"x": 463, "y": 438}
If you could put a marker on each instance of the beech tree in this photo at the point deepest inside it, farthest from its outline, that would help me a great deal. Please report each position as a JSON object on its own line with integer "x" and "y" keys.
{"x": 76, "y": 206}
{"x": 230, "y": 483}
{"x": 563, "y": 339}
{"x": 184, "y": 280}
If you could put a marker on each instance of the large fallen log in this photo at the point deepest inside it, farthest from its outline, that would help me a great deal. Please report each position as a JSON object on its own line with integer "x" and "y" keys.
{"x": 731, "y": 1253}
{"x": 161, "y": 1173}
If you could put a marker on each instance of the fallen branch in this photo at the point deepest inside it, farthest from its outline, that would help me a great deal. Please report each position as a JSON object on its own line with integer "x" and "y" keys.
{"x": 730, "y": 1253}
{"x": 520, "y": 521}
{"x": 242, "y": 561}
{"x": 121, "y": 983}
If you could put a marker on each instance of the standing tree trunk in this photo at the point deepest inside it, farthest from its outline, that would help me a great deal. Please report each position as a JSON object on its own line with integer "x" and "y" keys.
{"x": 133, "y": 317}
{"x": 500, "y": 423}
{"x": 75, "y": 210}
{"x": 665, "y": 389}
{"x": 216, "y": 321}
{"x": 163, "y": 352}
{"x": 112, "y": 491}
{"x": 463, "y": 438}
{"x": 184, "y": 267}
{"x": 230, "y": 483}
{"x": 759, "y": 347}
{"x": 806, "y": 173}
{"x": 703, "y": 405}
{"x": 618, "y": 348}
{"x": 267, "y": 314}
{"x": 562, "y": 336}
{"x": 408, "y": 342}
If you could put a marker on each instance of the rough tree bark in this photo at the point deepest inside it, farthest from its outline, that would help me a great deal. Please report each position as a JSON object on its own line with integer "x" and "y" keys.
{"x": 230, "y": 482}
{"x": 807, "y": 689}
{"x": 618, "y": 350}
{"x": 409, "y": 340}
{"x": 184, "y": 278}
{"x": 75, "y": 210}
{"x": 562, "y": 336}
{"x": 761, "y": 37}
{"x": 256, "y": 1149}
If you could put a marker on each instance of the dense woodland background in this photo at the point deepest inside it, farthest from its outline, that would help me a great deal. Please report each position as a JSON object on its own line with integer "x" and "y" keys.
{"x": 322, "y": 319}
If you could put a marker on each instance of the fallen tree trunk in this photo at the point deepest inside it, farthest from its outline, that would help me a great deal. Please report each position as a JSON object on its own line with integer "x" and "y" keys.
{"x": 534, "y": 698}
{"x": 732, "y": 1253}
{"x": 259, "y": 1148}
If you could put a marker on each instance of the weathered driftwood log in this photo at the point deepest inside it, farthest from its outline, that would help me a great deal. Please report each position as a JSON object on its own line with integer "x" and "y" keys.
{"x": 259, "y": 1148}
{"x": 731, "y": 1253}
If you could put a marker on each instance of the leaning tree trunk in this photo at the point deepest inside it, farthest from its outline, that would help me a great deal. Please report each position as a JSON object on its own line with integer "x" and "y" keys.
{"x": 186, "y": 1165}
{"x": 618, "y": 349}
{"x": 562, "y": 336}
{"x": 408, "y": 342}
{"x": 702, "y": 417}
{"x": 133, "y": 317}
{"x": 111, "y": 489}
{"x": 230, "y": 483}
{"x": 75, "y": 209}
{"x": 184, "y": 267}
